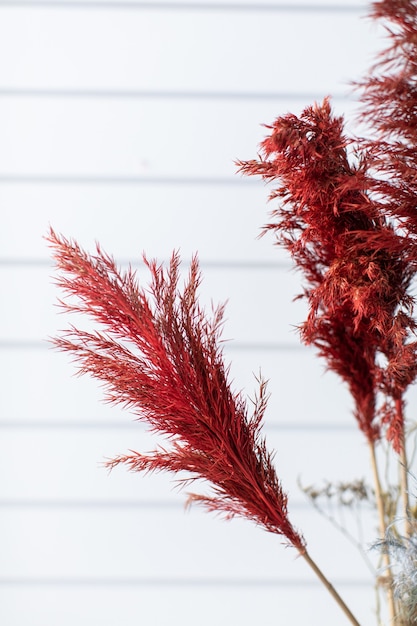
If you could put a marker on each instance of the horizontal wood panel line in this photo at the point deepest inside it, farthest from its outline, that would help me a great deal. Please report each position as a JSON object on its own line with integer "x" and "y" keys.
{"x": 58, "y": 581}
{"x": 216, "y": 264}
{"x": 103, "y": 179}
{"x": 77, "y": 424}
{"x": 113, "y": 504}
{"x": 161, "y": 94}
{"x": 184, "y": 6}
{"x": 241, "y": 346}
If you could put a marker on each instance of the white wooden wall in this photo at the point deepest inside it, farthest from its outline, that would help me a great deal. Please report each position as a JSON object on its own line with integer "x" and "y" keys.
{"x": 120, "y": 122}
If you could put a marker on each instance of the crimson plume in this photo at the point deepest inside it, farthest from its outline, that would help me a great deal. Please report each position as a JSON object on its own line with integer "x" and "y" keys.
{"x": 160, "y": 355}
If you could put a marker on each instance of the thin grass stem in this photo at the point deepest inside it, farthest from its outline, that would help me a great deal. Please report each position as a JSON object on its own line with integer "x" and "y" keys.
{"x": 382, "y": 529}
{"x": 403, "y": 470}
{"x": 324, "y": 580}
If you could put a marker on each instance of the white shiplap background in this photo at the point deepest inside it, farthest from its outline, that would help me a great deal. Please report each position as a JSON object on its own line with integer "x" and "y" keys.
{"x": 120, "y": 122}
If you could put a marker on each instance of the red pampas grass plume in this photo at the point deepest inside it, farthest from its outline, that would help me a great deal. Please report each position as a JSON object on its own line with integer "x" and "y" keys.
{"x": 159, "y": 354}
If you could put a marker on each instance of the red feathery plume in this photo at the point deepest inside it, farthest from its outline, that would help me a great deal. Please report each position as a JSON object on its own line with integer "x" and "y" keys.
{"x": 389, "y": 98}
{"x": 357, "y": 268}
{"x": 160, "y": 355}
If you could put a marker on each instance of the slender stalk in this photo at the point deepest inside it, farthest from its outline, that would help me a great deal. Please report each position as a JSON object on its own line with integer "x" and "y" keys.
{"x": 403, "y": 469}
{"x": 382, "y": 529}
{"x": 404, "y": 491}
{"x": 330, "y": 588}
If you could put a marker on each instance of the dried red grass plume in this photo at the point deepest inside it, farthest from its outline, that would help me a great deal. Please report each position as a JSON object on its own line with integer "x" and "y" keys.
{"x": 389, "y": 98}
{"x": 357, "y": 268}
{"x": 160, "y": 355}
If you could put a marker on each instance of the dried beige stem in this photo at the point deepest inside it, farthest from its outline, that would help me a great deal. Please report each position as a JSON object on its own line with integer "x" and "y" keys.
{"x": 403, "y": 470}
{"x": 382, "y": 529}
{"x": 324, "y": 580}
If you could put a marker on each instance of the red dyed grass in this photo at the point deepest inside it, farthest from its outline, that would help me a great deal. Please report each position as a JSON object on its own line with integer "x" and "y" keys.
{"x": 357, "y": 264}
{"x": 159, "y": 355}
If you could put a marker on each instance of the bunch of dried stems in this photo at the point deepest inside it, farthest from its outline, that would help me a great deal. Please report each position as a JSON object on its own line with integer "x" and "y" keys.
{"x": 346, "y": 212}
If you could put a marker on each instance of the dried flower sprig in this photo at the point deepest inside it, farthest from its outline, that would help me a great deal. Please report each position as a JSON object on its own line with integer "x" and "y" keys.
{"x": 160, "y": 355}
{"x": 403, "y": 563}
{"x": 357, "y": 268}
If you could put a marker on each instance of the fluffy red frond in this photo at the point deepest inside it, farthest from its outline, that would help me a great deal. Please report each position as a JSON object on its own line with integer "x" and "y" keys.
{"x": 357, "y": 267}
{"x": 159, "y": 354}
{"x": 389, "y": 97}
